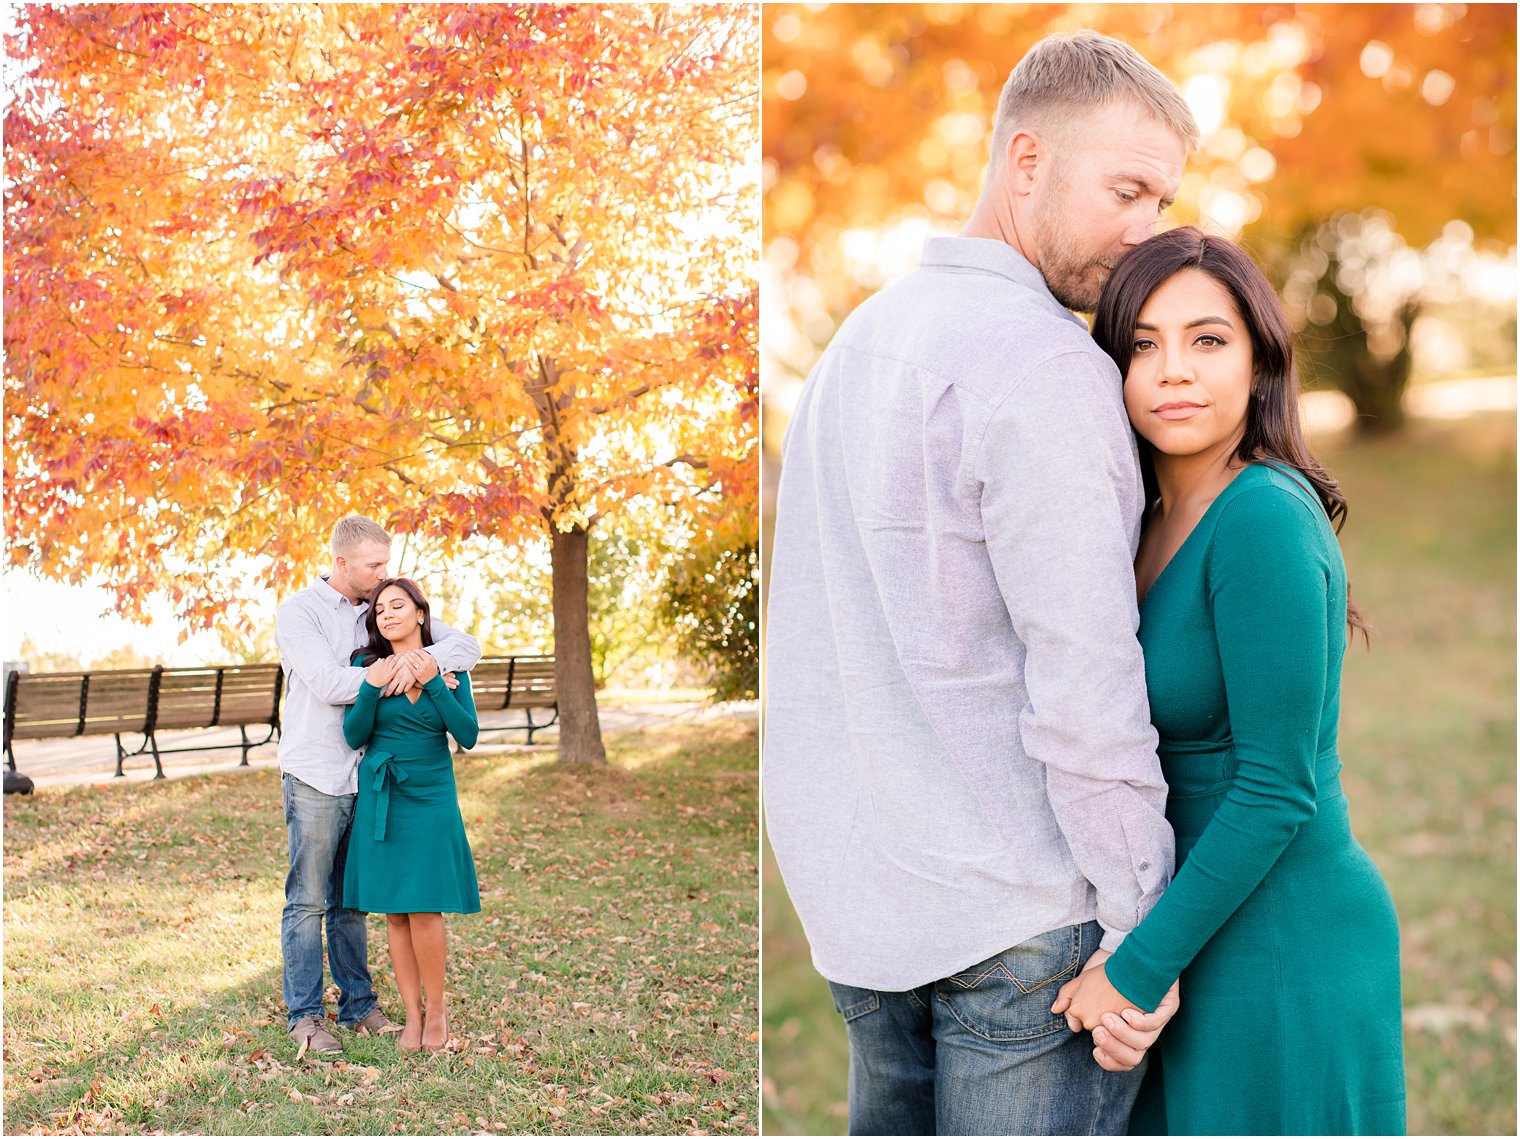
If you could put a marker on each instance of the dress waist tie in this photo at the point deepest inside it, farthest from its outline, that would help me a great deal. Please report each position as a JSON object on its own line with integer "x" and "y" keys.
{"x": 388, "y": 772}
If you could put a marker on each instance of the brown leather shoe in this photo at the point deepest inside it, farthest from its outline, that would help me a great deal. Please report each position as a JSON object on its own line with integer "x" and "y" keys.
{"x": 311, "y": 1035}
{"x": 376, "y": 1024}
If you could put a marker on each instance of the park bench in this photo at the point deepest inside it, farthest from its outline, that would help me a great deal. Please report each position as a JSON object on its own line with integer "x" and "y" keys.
{"x": 506, "y": 684}
{"x": 143, "y": 701}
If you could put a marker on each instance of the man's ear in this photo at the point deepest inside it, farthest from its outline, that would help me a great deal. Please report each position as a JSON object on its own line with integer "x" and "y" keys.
{"x": 1026, "y": 159}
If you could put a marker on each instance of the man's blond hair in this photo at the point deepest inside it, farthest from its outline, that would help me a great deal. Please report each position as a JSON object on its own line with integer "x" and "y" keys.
{"x": 1066, "y": 76}
{"x": 351, "y": 532}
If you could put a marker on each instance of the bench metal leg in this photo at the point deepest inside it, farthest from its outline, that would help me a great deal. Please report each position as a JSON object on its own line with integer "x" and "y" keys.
{"x": 121, "y": 755}
{"x": 158, "y": 766}
{"x": 10, "y": 755}
{"x": 531, "y": 726}
{"x": 243, "y": 729}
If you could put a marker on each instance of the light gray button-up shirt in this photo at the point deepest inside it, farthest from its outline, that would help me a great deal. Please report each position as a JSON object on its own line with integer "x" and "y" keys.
{"x": 317, "y": 631}
{"x": 958, "y": 749}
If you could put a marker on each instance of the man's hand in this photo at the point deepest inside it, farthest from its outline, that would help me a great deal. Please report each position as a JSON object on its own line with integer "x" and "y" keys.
{"x": 451, "y": 680}
{"x": 1063, "y": 998}
{"x": 1123, "y": 1040}
{"x": 1085, "y": 998}
{"x": 403, "y": 678}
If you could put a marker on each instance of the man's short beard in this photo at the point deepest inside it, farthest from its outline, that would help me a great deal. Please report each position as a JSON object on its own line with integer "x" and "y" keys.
{"x": 1067, "y": 280}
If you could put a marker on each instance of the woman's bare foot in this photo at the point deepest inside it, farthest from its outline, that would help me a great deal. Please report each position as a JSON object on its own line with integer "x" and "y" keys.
{"x": 435, "y": 1032}
{"x": 411, "y": 1034}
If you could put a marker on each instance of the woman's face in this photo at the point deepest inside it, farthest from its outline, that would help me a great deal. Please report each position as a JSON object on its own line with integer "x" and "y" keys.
{"x": 395, "y": 614}
{"x": 1189, "y": 380}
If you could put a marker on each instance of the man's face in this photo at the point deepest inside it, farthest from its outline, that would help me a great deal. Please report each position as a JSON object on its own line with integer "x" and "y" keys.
{"x": 1111, "y": 176}
{"x": 357, "y": 573}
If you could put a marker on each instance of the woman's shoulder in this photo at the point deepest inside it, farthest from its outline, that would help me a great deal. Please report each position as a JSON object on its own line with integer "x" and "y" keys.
{"x": 360, "y": 656}
{"x": 1266, "y": 490}
{"x": 1266, "y": 507}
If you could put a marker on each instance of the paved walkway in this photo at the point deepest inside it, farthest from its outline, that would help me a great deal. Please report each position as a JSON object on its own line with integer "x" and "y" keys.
{"x": 92, "y": 759}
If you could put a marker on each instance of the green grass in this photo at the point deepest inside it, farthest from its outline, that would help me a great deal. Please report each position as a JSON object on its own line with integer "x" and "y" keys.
{"x": 609, "y": 985}
{"x": 1428, "y": 739}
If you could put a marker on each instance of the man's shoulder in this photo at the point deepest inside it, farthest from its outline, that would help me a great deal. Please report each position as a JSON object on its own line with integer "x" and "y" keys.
{"x": 972, "y": 328}
{"x": 303, "y": 600}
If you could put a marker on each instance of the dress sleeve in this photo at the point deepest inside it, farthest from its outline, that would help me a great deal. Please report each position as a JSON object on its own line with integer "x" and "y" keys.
{"x": 359, "y": 719}
{"x": 1268, "y": 579}
{"x": 457, "y": 707}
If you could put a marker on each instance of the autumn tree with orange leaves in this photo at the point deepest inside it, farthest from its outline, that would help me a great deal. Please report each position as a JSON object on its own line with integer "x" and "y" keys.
{"x": 877, "y": 116}
{"x": 479, "y": 270}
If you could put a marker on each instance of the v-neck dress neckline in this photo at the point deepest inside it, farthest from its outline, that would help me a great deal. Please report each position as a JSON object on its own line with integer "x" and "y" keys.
{"x": 1224, "y": 493}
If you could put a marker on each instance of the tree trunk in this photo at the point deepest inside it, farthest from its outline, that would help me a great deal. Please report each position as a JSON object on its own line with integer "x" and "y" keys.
{"x": 580, "y": 730}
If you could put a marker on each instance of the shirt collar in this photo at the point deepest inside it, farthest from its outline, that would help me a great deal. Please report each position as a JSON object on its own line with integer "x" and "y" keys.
{"x": 330, "y": 594}
{"x": 987, "y": 255}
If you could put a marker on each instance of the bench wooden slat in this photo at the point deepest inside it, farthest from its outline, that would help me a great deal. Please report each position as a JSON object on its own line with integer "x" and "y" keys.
{"x": 117, "y": 701}
{"x": 250, "y": 694}
{"x": 186, "y": 698}
{"x": 506, "y": 684}
{"x": 47, "y": 706}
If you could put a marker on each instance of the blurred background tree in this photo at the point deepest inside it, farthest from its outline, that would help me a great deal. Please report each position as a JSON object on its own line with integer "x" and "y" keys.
{"x": 1341, "y": 142}
{"x": 1365, "y": 154}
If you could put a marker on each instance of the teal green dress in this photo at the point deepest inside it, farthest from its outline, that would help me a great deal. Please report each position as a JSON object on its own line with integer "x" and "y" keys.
{"x": 1278, "y": 923}
{"x": 407, "y": 850}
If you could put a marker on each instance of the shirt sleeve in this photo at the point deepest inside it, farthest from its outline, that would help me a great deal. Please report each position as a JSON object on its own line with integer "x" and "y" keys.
{"x": 457, "y": 707}
{"x": 359, "y": 719}
{"x": 307, "y": 651}
{"x": 1055, "y": 464}
{"x": 454, "y": 651}
{"x": 1268, "y": 576}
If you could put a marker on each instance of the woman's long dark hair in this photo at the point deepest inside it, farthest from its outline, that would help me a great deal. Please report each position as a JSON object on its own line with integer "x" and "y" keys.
{"x": 378, "y": 646}
{"x": 1273, "y": 433}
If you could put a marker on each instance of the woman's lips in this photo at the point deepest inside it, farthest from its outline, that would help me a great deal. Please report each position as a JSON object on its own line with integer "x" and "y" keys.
{"x": 1177, "y": 410}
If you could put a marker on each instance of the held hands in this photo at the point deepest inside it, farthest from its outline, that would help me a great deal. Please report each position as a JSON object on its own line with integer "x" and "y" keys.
{"x": 1122, "y": 1040}
{"x": 413, "y": 670}
{"x": 402, "y": 677}
{"x": 1122, "y": 1033}
{"x": 1086, "y": 997}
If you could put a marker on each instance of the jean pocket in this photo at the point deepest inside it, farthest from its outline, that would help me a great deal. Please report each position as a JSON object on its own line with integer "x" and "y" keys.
{"x": 852, "y": 1003}
{"x": 1008, "y": 997}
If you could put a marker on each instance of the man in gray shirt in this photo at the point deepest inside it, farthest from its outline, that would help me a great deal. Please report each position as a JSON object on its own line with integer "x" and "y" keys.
{"x": 960, "y": 777}
{"x": 317, "y": 631}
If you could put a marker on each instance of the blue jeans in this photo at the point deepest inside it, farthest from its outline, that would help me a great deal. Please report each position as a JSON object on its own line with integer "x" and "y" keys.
{"x": 318, "y": 825}
{"x": 979, "y": 1052}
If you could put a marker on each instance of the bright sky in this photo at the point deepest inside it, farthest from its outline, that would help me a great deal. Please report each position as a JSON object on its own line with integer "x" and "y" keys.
{"x": 82, "y": 621}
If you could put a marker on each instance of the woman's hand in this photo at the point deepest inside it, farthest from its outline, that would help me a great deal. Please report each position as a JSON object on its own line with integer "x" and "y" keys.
{"x": 380, "y": 672}
{"x": 1085, "y": 999}
{"x": 424, "y": 667}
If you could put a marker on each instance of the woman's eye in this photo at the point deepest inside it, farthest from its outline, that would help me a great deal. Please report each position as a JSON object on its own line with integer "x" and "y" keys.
{"x": 1142, "y": 346}
{"x": 1209, "y": 340}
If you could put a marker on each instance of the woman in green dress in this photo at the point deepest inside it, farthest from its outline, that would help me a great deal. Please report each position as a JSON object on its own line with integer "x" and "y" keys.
{"x": 1279, "y": 925}
{"x": 408, "y": 856}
